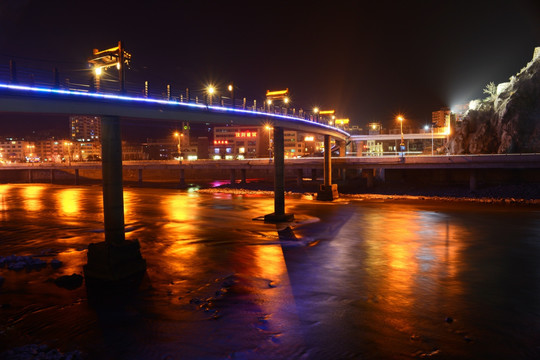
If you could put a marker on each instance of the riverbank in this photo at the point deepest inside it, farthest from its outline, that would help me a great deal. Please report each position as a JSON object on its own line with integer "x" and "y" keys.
{"x": 516, "y": 194}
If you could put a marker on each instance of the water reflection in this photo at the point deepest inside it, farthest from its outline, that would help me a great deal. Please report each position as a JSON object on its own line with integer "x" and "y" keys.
{"x": 377, "y": 282}
{"x": 178, "y": 242}
{"x": 69, "y": 201}
{"x": 32, "y": 196}
{"x": 4, "y": 191}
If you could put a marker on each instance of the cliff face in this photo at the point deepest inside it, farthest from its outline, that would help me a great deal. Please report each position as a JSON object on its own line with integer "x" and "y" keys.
{"x": 507, "y": 121}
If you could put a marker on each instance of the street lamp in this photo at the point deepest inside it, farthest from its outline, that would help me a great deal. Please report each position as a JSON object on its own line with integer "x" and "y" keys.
{"x": 427, "y": 128}
{"x": 68, "y": 144}
{"x": 315, "y": 112}
{"x": 179, "y": 145}
{"x": 269, "y": 129}
{"x": 231, "y": 90}
{"x": 402, "y": 144}
{"x": 210, "y": 90}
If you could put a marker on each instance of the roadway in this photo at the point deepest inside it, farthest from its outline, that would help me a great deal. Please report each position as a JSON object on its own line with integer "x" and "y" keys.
{"x": 496, "y": 161}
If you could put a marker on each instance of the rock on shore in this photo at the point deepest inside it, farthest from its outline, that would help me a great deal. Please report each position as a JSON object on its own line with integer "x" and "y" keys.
{"x": 507, "y": 121}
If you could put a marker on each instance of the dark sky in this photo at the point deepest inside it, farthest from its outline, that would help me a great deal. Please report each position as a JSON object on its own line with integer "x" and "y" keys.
{"x": 367, "y": 60}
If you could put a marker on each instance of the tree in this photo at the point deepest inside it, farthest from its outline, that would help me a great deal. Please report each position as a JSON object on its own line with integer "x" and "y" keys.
{"x": 491, "y": 90}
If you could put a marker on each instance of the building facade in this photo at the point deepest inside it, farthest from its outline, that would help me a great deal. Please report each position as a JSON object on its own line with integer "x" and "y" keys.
{"x": 16, "y": 150}
{"x": 85, "y": 128}
{"x": 241, "y": 142}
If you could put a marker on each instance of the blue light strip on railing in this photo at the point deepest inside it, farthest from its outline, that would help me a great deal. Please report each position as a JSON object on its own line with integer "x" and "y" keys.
{"x": 164, "y": 102}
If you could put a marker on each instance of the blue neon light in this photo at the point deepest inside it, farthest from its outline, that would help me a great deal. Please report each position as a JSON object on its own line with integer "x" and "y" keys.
{"x": 163, "y": 102}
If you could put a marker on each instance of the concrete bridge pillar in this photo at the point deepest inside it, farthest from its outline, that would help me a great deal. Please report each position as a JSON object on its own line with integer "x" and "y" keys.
{"x": 472, "y": 180}
{"x": 299, "y": 177}
{"x": 51, "y": 176}
{"x": 77, "y": 176}
{"x": 369, "y": 177}
{"x": 243, "y": 177}
{"x": 115, "y": 259}
{"x": 342, "y": 148}
{"x": 140, "y": 176}
{"x": 182, "y": 176}
{"x": 327, "y": 191}
{"x": 279, "y": 214}
{"x": 343, "y": 173}
{"x": 313, "y": 174}
{"x": 233, "y": 176}
{"x": 30, "y": 176}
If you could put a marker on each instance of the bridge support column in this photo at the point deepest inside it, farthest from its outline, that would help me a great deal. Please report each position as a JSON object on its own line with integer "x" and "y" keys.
{"x": 233, "y": 176}
{"x": 140, "y": 177}
{"x": 342, "y": 148}
{"x": 472, "y": 180}
{"x": 369, "y": 177}
{"x": 243, "y": 178}
{"x": 116, "y": 259}
{"x": 182, "y": 176}
{"x": 76, "y": 176}
{"x": 343, "y": 174}
{"x": 327, "y": 191}
{"x": 313, "y": 174}
{"x": 279, "y": 214}
{"x": 30, "y": 176}
{"x": 299, "y": 177}
{"x": 51, "y": 176}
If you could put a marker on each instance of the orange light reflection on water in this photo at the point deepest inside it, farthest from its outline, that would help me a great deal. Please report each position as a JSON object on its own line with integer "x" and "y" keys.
{"x": 69, "y": 201}
{"x": 129, "y": 207}
{"x": 411, "y": 257}
{"x": 32, "y": 197}
{"x": 4, "y": 190}
{"x": 270, "y": 261}
{"x": 180, "y": 250}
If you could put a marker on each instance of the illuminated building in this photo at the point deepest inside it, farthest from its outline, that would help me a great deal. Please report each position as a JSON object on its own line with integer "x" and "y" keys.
{"x": 240, "y": 142}
{"x": 85, "y": 128}
{"x": 51, "y": 150}
{"x": 15, "y": 150}
{"x": 440, "y": 118}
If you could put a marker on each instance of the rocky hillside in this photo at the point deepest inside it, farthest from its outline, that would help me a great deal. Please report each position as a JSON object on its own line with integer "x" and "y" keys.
{"x": 507, "y": 121}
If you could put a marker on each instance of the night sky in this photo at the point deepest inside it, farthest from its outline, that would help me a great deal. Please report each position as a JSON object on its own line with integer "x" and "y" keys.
{"x": 368, "y": 62}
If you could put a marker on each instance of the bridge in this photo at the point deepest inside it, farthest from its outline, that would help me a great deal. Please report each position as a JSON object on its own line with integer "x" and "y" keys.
{"x": 116, "y": 258}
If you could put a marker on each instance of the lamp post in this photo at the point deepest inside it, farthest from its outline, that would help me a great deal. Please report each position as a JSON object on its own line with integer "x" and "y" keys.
{"x": 179, "y": 145}
{"x": 426, "y": 128}
{"x": 68, "y": 144}
{"x": 269, "y": 129}
{"x": 269, "y": 102}
{"x": 402, "y": 143}
{"x": 315, "y": 112}
{"x": 210, "y": 90}
{"x": 231, "y": 90}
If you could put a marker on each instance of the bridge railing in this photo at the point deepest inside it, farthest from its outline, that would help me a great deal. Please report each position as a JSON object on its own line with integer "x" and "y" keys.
{"x": 45, "y": 74}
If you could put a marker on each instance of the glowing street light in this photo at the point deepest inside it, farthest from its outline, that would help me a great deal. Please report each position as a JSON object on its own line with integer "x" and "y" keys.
{"x": 210, "y": 90}
{"x": 179, "y": 145}
{"x": 231, "y": 90}
{"x": 269, "y": 129}
{"x": 402, "y": 144}
{"x": 426, "y": 128}
{"x": 400, "y": 119}
{"x": 68, "y": 144}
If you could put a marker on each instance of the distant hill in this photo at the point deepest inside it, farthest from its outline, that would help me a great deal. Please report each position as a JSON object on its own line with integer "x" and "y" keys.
{"x": 507, "y": 120}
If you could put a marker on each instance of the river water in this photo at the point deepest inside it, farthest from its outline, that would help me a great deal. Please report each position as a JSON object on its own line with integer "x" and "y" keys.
{"x": 351, "y": 279}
